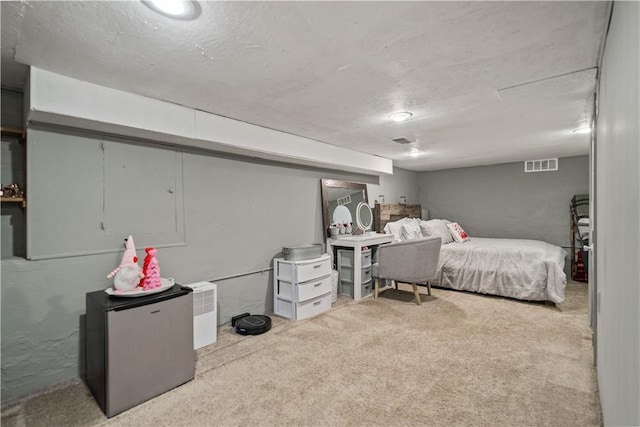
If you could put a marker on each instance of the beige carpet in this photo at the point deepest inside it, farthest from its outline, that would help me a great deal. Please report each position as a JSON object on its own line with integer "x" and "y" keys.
{"x": 459, "y": 359}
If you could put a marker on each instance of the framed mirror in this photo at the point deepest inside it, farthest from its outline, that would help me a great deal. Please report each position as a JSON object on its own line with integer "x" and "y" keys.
{"x": 340, "y": 202}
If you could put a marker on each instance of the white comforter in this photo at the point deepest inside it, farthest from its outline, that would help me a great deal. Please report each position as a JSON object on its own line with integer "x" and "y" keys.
{"x": 524, "y": 269}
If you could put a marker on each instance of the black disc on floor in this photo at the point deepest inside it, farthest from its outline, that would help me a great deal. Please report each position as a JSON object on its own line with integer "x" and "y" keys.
{"x": 253, "y": 325}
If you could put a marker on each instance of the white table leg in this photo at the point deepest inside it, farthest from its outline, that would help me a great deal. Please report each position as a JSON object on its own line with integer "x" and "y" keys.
{"x": 357, "y": 272}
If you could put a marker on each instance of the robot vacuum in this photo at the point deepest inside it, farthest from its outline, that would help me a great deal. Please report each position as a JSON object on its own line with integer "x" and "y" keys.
{"x": 247, "y": 324}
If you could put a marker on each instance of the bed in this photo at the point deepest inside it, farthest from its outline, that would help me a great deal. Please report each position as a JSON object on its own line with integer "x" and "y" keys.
{"x": 529, "y": 270}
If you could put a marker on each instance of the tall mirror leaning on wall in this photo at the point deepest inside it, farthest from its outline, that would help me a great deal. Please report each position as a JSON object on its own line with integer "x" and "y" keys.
{"x": 344, "y": 202}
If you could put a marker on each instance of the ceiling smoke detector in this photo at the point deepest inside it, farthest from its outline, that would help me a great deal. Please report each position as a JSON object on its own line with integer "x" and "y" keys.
{"x": 401, "y": 140}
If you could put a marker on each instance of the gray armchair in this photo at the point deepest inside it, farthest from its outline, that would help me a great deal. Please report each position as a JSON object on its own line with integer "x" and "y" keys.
{"x": 411, "y": 261}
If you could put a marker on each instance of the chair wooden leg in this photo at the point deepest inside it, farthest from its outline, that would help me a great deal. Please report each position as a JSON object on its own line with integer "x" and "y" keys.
{"x": 395, "y": 283}
{"x": 417, "y": 294}
{"x": 429, "y": 288}
{"x": 376, "y": 287}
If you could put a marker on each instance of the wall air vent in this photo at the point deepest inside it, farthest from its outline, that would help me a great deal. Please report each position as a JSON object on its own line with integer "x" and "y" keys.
{"x": 544, "y": 165}
{"x": 401, "y": 140}
{"x": 344, "y": 200}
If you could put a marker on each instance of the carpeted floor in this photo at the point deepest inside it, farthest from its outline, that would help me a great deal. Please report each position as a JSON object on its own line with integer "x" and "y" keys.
{"x": 459, "y": 359}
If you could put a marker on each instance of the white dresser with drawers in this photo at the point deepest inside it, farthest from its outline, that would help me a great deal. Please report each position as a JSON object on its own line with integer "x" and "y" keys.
{"x": 301, "y": 289}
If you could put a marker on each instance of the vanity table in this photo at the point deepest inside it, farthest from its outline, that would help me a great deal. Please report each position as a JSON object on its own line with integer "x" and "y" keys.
{"x": 348, "y": 202}
{"x": 355, "y": 243}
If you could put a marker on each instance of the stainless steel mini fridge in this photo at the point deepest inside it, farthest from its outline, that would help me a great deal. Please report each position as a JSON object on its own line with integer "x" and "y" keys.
{"x": 138, "y": 348}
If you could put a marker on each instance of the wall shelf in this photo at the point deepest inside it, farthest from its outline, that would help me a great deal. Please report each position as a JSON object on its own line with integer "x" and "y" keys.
{"x": 7, "y": 131}
{"x": 20, "y": 200}
{"x": 14, "y": 164}
{"x": 18, "y": 133}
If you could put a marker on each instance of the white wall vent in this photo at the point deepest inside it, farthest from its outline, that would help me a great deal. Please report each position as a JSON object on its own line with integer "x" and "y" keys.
{"x": 205, "y": 313}
{"x": 401, "y": 140}
{"x": 344, "y": 200}
{"x": 543, "y": 165}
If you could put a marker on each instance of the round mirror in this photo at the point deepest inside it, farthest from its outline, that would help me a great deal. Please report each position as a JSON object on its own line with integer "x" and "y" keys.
{"x": 341, "y": 215}
{"x": 364, "y": 216}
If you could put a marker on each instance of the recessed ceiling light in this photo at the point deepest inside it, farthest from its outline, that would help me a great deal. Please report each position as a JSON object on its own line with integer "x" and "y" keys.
{"x": 582, "y": 130}
{"x": 415, "y": 153}
{"x": 401, "y": 116}
{"x": 177, "y": 9}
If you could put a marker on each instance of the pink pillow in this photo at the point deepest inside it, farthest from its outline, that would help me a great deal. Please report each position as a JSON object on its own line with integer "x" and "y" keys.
{"x": 458, "y": 233}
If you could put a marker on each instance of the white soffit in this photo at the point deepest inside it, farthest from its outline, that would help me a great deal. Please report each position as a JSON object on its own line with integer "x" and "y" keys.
{"x": 60, "y": 100}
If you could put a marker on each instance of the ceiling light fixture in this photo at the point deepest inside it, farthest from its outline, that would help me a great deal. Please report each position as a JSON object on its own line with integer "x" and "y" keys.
{"x": 401, "y": 116}
{"x": 415, "y": 153}
{"x": 185, "y": 10}
{"x": 582, "y": 130}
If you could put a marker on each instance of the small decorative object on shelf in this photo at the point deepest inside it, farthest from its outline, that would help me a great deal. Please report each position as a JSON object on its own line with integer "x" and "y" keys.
{"x": 12, "y": 190}
{"x": 13, "y": 193}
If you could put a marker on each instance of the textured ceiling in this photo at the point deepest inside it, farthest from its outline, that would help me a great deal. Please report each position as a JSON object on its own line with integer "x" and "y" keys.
{"x": 487, "y": 82}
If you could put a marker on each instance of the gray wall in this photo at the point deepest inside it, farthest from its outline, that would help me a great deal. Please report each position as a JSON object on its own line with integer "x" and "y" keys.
{"x": 12, "y": 109}
{"x": 617, "y": 192}
{"x": 503, "y": 201}
{"x": 402, "y": 183}
{"x": 238, "y": 214}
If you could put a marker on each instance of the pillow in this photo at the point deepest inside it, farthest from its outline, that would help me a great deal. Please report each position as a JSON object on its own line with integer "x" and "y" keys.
{"x": 436, "y": 228}
{"x": 395, "y": 228}
{"x": 411, "y": 230}
{"x": 459, "y": 235}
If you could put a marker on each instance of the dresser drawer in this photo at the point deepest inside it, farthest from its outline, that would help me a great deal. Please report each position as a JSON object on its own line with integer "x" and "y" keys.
{"x": 366, "y": 258}
{"x": 313, "y": 270}
{"x": 366, "y": 288}
{"x": 365, "y": 276}
{"x": 284, "y": 307}
{"x": 314, "y": 288}
{"x": 303, "y": 271}
{"x": 346, "y": 273}
{"x": 345, "y": 287}
{"x": 313, "y": 306}
{"x": 284, "y": 289}
{"x": 345, "y": 257}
